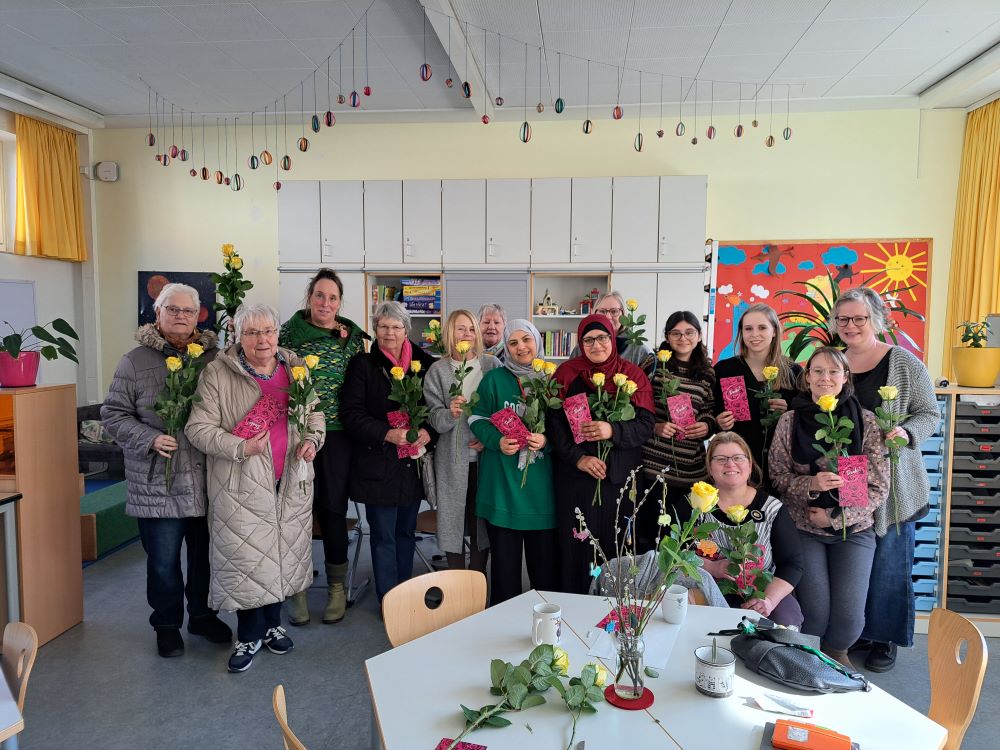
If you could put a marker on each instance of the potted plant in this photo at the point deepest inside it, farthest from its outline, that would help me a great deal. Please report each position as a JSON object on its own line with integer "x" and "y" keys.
{"x": 975, "y": 365}
{"x": 21, "y": 351}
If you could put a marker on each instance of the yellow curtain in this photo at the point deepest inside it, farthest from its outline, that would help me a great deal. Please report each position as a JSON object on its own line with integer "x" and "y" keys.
{"x": 974, "y": 285}
{"x": 49, "y": 200}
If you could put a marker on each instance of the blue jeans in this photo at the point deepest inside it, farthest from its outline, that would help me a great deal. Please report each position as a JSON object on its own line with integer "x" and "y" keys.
{"x": 393, "y": 541}
{"x": 165, "y": 588}
{"x": 889, "y": 613}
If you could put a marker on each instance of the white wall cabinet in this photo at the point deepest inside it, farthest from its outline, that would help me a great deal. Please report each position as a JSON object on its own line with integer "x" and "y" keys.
{"x": 683, "y": 206}
{"x": 463, "y": 222}
{"x": 298, "y": 223}
{"x": 422, "y": 221}
{"x": 508, "y": 221}
{"x": 342, "y": 222}
{"x": 635, "y": 205}
{"x": 591, "y": 220}
{"x": 383, "y": 204}
{"x": 551, "y": 209}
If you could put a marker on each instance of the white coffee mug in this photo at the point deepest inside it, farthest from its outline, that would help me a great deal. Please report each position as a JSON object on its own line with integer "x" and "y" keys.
{"x": 546, "y": 626}
{"x": 714, "y": 678}
{"x": 675, "y": 604}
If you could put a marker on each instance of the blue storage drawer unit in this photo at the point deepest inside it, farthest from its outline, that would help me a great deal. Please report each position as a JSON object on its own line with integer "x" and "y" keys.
{"x": 932, "y": 444}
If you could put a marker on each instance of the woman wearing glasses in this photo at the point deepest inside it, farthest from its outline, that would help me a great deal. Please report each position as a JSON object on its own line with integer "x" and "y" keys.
{"x": 579, "y": 468}
{"x": 838, "y": 543}
{"x": 683, "y": 366}
{"x": 612, "y": 307}
{"x": 732, "y": 469}
{"x": 758, "y": 347}
{"x": 859, "y": 317}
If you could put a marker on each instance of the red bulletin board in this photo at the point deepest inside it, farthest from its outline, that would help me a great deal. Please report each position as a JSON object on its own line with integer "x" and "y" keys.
{"x": 750, "y": 272}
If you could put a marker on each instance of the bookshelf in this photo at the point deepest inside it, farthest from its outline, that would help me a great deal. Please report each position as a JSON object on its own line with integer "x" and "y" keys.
{"x": 568, "y": 293}
{"x": 422, "y": 299}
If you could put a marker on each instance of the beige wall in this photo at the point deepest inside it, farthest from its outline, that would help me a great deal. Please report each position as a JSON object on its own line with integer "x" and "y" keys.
{"x": 845, "y": 175}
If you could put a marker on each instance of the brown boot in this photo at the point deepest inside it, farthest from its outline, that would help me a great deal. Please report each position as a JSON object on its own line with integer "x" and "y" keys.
{"x": 298, "y": 610}
{"x": 840, "y": 656}
{"x": 336, "y": 603}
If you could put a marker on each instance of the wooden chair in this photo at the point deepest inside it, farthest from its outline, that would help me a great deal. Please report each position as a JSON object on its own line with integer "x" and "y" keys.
{"x": 20, "y": 646}
{"x": 407, "y": 615}
{"x": 281, "y": 714}
{"x": 955, "y": 682}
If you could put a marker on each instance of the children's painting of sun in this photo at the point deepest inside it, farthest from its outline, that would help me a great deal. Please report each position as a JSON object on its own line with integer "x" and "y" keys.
{"x": 751, "y": 272}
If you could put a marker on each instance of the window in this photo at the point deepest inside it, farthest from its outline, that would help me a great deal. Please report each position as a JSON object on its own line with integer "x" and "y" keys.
{"x": 4, "y": 182}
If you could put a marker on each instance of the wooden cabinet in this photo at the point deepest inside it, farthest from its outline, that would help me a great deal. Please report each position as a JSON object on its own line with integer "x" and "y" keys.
{"x": 422, "y": 222}
{"x": 463, "y": 222}
{"x": 508, "y": 221}
{"x": 683, "y": 207}
{"x": 635, "y": 206}
{"x": 342, "y": 222}
{"x": 591, "y": 220}
{"x": 551, "y": 208}
{"x": 299, "y": 223}
{"x": 383, "y": 204}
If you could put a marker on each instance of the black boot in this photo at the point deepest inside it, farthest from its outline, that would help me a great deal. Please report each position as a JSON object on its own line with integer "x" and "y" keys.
{"x": 212, "y": 628}
{"x": 169, "y": 642}
{"x": 881, "y": 658}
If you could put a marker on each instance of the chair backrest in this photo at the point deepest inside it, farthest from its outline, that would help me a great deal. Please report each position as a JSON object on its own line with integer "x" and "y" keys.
{"x": 955, "y": 681}
{"x": 407, "y": 616}
{"x": 281, "y": 714}
{"x": 20, "y": 646}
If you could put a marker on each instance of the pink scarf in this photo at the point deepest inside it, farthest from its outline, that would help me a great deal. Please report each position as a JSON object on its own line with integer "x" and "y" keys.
{"x": 405, "y": 355}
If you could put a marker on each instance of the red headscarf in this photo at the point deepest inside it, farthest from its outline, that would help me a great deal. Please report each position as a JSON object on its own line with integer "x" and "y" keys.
{"x": 580, "y": 366}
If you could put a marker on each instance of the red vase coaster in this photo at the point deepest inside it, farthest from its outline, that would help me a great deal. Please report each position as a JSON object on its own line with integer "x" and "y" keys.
{"x": 643, "y": 701}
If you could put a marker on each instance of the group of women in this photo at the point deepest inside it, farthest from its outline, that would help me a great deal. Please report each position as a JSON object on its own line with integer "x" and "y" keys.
{"x": 840, "y": 573}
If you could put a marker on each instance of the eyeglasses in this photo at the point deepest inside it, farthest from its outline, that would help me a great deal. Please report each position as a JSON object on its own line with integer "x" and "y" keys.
{"x": 602, "y": 340}
{"x": 820, "y": 373}
{"x": 610, "y": 311}
{"x": 677, "y": 335}
{"x": 187, "y": 312}
{"x": 389, "y": 329}
{"x": 738, "y": 460}
{"x": 265, "y": 333}
{"x": 858, "y": 320}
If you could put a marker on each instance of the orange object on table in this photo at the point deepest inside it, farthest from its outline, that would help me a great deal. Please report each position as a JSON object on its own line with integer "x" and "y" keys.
{"x": 798, "y": 735}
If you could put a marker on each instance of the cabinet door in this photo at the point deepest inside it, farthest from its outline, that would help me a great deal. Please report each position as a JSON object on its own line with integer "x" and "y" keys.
{"x": 591, "y": 222}
{"x": 635, "y": 218}
{"x": 383, "y": 221}
{"x": 680, "y": 290}
{"x": 463, "y": 221}
{"x": 298, "y": 223}
{"x": 551, "y": 206}
{"x": 342, "y": 221}
{"x": 422, "y": 221}
{"x": 642, "y": 287}
{"x": 683, "y": 205}
{"x": 508, "y": 221}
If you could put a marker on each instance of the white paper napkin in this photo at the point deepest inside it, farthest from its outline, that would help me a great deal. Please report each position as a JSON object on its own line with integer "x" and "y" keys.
{"x": 659, "y": 639}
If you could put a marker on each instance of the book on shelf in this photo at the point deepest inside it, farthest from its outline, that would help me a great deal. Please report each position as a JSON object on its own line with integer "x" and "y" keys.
{"x": 558, "y": 343}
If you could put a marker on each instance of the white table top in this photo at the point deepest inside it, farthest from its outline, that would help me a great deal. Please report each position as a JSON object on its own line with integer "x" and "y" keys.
{"x": 417, "y": 688}
{"x": 11, "y": 721}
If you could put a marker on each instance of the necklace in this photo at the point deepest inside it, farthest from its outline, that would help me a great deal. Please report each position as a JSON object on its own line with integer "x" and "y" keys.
{"x": 252, "y": 372}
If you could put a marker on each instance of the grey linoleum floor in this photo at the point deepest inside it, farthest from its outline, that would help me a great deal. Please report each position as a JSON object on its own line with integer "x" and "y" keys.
{"x": 101, "y": 684}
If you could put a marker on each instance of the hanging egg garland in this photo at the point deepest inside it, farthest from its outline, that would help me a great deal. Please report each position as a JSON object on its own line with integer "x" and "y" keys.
{"x": 694, "y": 141}
{"x": 367, "y": 90}
{"x": 205, "y": 175}
{"x": 449, "y": 82}
{"x": 150, "y": 139}
{"x": 588, "y": 127}
{"x": 355, "y": 99}
{"x": 314, "y": 123}
{"x": 193, "y": 172}
{"x": 340, "y": 100}
{"x": 183, "y": 154}
{"x": 330, "y": 119}
{"x": 485, "y": 119}
{"x": 302, "y": 144}
{"x": 265, "y": 157}
{"x": 659, "y": 133}
{"x": 218, "y": 177}
{"x": 426, "y": 72}
{"x": 158, "y": 157}
{"x": 525, "y": 133}
{"x": 637, "y": 143}
{"x": 466, "y": 89}
{"x": 710, "y": 133}
{"x": 165, "y": 160}
{"x": 225, "y": 181}
{"x": 560, "y": 106}
{"x": 539, "y": 108}
{"x": 498, "y": 101}
{"x": 617, "y": 112}
{"x": 237, "y": 182}
{"x": 754, "y": 122}
{"x": 769, "y": 141}
{"x": 286, "y": 162}
{"x": 173, "y": 151}
{"x": 252, "y": 161}
{"x": 680, "y": 129}
{"x": 738, "y": 132}
{"x": 786, "y": 133}
{"x": 277, "y": 185}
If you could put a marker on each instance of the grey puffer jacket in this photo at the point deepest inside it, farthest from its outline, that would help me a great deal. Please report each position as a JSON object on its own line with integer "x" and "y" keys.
{"x": 128, "y": 415}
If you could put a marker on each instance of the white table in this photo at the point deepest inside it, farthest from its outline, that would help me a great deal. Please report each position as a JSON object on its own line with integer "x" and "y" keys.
{"x": 417, "y": 688}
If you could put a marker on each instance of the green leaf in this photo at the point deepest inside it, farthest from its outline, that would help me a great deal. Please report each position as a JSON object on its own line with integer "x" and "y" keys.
{"x": 64, "y": 328}
{"x": 44, "y": 335}
{"x": 555, "y": 682}
{"x": 588, "y": 675}
{"x": 575, "y": 695}
{"x": 470, "y": 715}
{"x": 596, "y": 695}
{"x": 520, "y": 676}
{"x": 498, "y": 721}
{"x": 516, "y": 693}
{"x": 49, "y": 352}
{"x": 12, "y": 344}
{"x": 532, "y": 700}
{"x": 498, "y": 668}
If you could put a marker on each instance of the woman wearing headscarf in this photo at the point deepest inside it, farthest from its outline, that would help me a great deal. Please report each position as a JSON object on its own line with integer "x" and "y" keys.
{"x": 578, "y": 468}
{"x": 519, "y": 520}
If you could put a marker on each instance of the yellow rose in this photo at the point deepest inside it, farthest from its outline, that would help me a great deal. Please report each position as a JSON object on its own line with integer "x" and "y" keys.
{"x": 537, "y": 364}
{"x": 736, "y": 513}
{"x": 619, "y": 379}
{"x": 827, "y": 402}
{"x": 311, "y": 361}
{"x": 770, "y": 372}
{"x": 630, "y": 387}
{"x": 560, "y": 661}
{"x": 598, "y": 379}
{"x": 632, "y": 304}
{"x": 462, "y": 347}
{"x": 415, "y": 366}
{"x": 397, "y": 373}
{"x": 435, "y": 324}
{"x": 299, "y": 373}
{"x": 703, "y": 497}
{"x": 664, "y": 519}
{"x": 236, "y": 263}
{"x": 432, "y": 337}
{"x": 602, "y": 674}
{"x": 174, "y": 364}
{"x": 664, "y": 355}
{"x": 707, "y": 548}
{"x": 888, "y": 392}
{"x": 195, "y": 350}
{"x": 550, "y": 368}
{"x": 228, "y": 250}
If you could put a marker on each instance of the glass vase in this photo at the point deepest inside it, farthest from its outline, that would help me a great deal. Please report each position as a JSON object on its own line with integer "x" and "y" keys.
{"x": 628, "y": 666}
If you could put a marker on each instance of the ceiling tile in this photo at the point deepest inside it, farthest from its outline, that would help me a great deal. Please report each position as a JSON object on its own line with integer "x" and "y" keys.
{"x": 310, "y": 20}
{"x": 746, "y": 67}
{"x": 688, "y": 41}
{"x": 585, "y": 15}
{"x": 892, "y": 62}
{"x": 317, "y": 50}
{"x": 57, "y": 27}
{"x": 141, "y": 24}
{"x": 225, "y": 22}
{"x": 855, "y": 9}
{"x": 854, "y": 85}
{"x": 941, "y": 33}
{"x": 758, "y": 38}
{"x": 774, "y": 11}
{"x": 853, "y": 34}
{"x": 261, "y": 55}
{"x": 814, "y": 64}
{"x": 677, "y": 13}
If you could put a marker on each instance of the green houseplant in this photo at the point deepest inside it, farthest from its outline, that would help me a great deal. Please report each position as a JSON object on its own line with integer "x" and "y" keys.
{"x": 975, "y": 364}
{"x": 21, "y": 351}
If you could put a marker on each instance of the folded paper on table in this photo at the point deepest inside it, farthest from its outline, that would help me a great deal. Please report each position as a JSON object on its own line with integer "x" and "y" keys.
{"x": 681, "y": 412}
{"x": 401, "y": 420}
{"x": 577, "y": 412}
{"x": 510, "y": 426}
{"x": 854, "y": 491}
{"x": 734, "y": 397}
{"x": 261, "y": 416}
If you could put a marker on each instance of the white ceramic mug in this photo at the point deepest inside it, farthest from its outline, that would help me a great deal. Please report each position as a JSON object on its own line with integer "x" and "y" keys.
{"x": 546, "y": 626}
{"x": 716, "y": 679}
{"x": 675, "y": 604}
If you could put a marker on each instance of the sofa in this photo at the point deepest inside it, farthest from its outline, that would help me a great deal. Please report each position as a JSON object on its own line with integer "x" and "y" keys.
{"x": 97, "y": 453}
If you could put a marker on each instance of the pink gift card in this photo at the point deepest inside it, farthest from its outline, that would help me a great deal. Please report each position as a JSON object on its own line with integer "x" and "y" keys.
{"x": 400, "y": 419}
{"x": 681, "y": 412}
{"x": 614, "y": 617}
{"x": 734, "y": 397}
{"x": 577, "y": 412}
{"x": 261, "y": 416}
{"x": 510, "y": 426}
{"x": 446, "y": 743}
{"x": 854, "y": 491}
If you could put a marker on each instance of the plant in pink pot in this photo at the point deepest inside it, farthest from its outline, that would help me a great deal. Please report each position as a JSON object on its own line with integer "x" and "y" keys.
{"x": 21, "y": 351}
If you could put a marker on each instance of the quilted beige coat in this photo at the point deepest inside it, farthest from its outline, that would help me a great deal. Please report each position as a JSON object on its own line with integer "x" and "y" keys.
{"x": 261, "y": 538}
